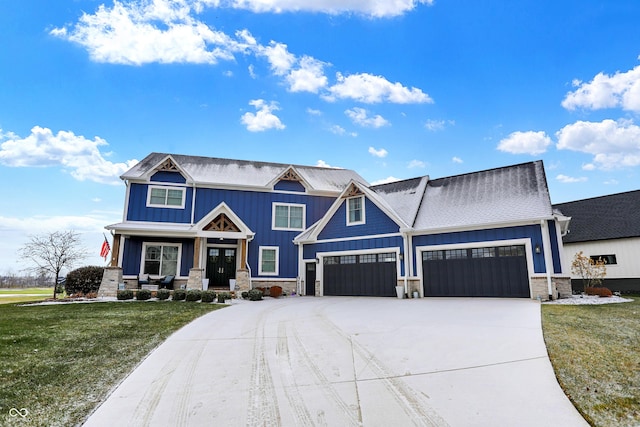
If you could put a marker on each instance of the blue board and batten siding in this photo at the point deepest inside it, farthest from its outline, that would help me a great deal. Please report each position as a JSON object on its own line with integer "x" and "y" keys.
{"x": 166, "y": 176}
{"x": 254, "y": 208}
{"x": 132, "y": 254}
{"x": 376, "y": 223}
{"x": 139, "y": 211}
{"x": 555, "y": 250}
{"x": 532, "y": 232}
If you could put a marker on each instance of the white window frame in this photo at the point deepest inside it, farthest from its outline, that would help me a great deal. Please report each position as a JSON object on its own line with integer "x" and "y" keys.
{"x": 143, "y": 257}
{"x": 277, "y": 261}
{"x": 165, "y": 205}
{"x": 288, "y": 205}
{"x": 362, "y": 218}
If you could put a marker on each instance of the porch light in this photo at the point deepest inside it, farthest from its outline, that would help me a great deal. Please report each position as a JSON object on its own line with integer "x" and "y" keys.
{"x": 537, "y": 248}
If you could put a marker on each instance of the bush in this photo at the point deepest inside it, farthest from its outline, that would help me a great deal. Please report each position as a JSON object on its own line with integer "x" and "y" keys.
{"x": 194, "y": 295}
{"x": 143, "y": 294}
{"x": 601, "y": 292}
{"x": 84, "y": 280}
{"x": 124, "y": 295}
{"x": 208, "y": 296}
{"x": 179, "y": 295}
{"x": 223, "y": 296}
{"x": 275, "y": 291}
{"x": 245, "y": 295}
{"x": 163, "y": 294}
{"x": 255, "y": 295}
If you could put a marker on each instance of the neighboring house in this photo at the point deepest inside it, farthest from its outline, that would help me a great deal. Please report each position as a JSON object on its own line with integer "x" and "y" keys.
{"x": 324, "y": 231}
{"x": 606, "y": 227}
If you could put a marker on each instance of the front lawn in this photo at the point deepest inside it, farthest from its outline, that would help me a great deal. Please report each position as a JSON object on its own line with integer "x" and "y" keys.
{"x": 595, "y": 352}
{"x": 58, "y": 361}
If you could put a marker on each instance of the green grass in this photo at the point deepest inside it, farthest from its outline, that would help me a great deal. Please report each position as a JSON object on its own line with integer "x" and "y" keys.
{"x": 595, "y": 352}
{"x": 59, "y": 361}
{"x": 10, "y": 296}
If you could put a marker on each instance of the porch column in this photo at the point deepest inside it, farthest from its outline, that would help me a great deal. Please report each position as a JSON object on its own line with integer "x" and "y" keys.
{"x": 196, "y": 252}
{"x": 243, "y": 281}
{"x": 115, "y": 251}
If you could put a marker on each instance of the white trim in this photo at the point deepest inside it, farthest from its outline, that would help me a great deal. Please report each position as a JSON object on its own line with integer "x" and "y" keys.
{"x": 483, "y": 244}
{"x": 127, "y": 195}
{"x": 277, "y": 261}
{"x": 345, "y": 239}
{"x": 183, "y": 190}
{"x": 471, "y": 227}
{"x": 320, "y": 256}
{"x": 144, "y": 252}
{"x": 363, "y": 218}
{"x": 274, "y": 205}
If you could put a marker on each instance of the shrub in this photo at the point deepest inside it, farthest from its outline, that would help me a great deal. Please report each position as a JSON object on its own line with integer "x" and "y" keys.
{"x": 275, "y": 291}
{"x": 163, "y": 294}
{"x": 255, "y": 294}
{"x": 124, "y": 295}
{"x": 601, "y": 292}
{"x": 245, "y": 295}
{"x": 223, "y": 296}
{"x": 84, "y": 280}
{"x": 91, "y": 295}
{"x": 208, "y": 296}
{"x": 143, "y": 294}
{"x": 179, "y": 295}
{"x": 194, "y": 295}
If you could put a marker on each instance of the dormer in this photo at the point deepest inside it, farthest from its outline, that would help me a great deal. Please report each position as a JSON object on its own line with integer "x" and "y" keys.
{"x": 290, "y": 180}
{"x": 168, "y": 171}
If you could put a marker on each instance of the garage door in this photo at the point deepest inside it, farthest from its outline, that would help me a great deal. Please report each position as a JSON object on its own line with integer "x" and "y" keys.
{"x": 476, "y": 272}
{"x": 360, "y": 275}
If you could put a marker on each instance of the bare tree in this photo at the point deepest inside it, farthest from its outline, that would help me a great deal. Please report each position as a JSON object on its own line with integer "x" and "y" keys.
{"x": 49, "y": 253}
{"x": 592, "y": 271}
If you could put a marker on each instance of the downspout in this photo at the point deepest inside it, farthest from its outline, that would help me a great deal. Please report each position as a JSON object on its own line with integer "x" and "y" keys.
{"x": 300, "y": 267}
{"x": 546, "y": 245}
{"x": 407, "y": 253}
{"x": 193, "y": 204}
{"x": 246, "y": 258}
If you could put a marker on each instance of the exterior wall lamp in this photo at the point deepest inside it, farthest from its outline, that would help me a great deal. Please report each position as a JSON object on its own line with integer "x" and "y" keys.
{"x": 537, "y": 248}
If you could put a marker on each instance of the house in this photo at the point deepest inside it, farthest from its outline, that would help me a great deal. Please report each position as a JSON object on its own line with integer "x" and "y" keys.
{"x": 323, "y": 231}
{"x": 607, "y": 228}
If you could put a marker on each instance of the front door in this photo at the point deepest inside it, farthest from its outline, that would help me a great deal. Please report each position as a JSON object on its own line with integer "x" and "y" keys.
{"x": 221, "y": 266}
{"x": 310, "y": 279}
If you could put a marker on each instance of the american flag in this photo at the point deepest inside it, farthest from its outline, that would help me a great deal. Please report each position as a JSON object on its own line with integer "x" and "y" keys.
{"x": 104, "y": 250}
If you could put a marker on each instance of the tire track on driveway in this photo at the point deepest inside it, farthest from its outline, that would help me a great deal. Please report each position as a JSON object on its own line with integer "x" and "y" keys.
{"x": 411, "y": 402}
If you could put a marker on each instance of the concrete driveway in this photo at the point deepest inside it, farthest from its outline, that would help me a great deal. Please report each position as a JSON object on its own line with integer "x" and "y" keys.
{"x": 343, "y": 361}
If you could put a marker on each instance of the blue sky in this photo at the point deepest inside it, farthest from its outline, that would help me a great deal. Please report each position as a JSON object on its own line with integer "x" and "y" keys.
{"x": 392, "y": 90}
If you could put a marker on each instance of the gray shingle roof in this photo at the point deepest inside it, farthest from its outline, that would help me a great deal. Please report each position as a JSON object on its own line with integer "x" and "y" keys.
{"x": 508, "y": 194}
{"x": 404, "y": 197}
{"x": 210, "y": 170}
{"x": 614, "y": 216}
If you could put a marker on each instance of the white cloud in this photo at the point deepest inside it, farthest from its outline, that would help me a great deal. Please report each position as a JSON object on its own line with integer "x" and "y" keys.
{"x": 309, "y": 77}
{"x": 529, "y": 142}
{"x": 322, "y": 164}
{"x": 79, "y": 155}
{"x": 456, "y": 159}
{"x": 569, "y": 179}
{"x": 386, "y": 180}
{"x": 588, "y": 167}
{"x": 371, "y": 89}
{"x": 279, "y": 57}
{"x": 413, "y": 164}
{"x": 607, "y": 91}
{"x": 152, "y": 31}
{"x": 611, "y": 182}
{"x": 381, "y": 153}
{"x": 361, "y": 117}
{"x": 314, "y": 112}
{"x": 373, "y": 8}
{"x": 263, "y": 119}
{"x": 338, "y": 130}
{"x": 438, "y": 125}
{"x": 613, "y": 144}
{"x": 252, "y": 72}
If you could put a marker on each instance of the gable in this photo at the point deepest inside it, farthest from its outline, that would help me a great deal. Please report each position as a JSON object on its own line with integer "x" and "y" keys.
{"x": 376, "y": 222}
{"x": 221, "y": 223}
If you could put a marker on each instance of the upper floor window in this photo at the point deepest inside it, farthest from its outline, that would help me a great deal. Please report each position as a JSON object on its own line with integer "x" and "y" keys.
{"x": 161, "y": 259}
{"x": 288, "y": 216}
{"x": 166, "y": 197}
{"x": 355, "y": 210}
